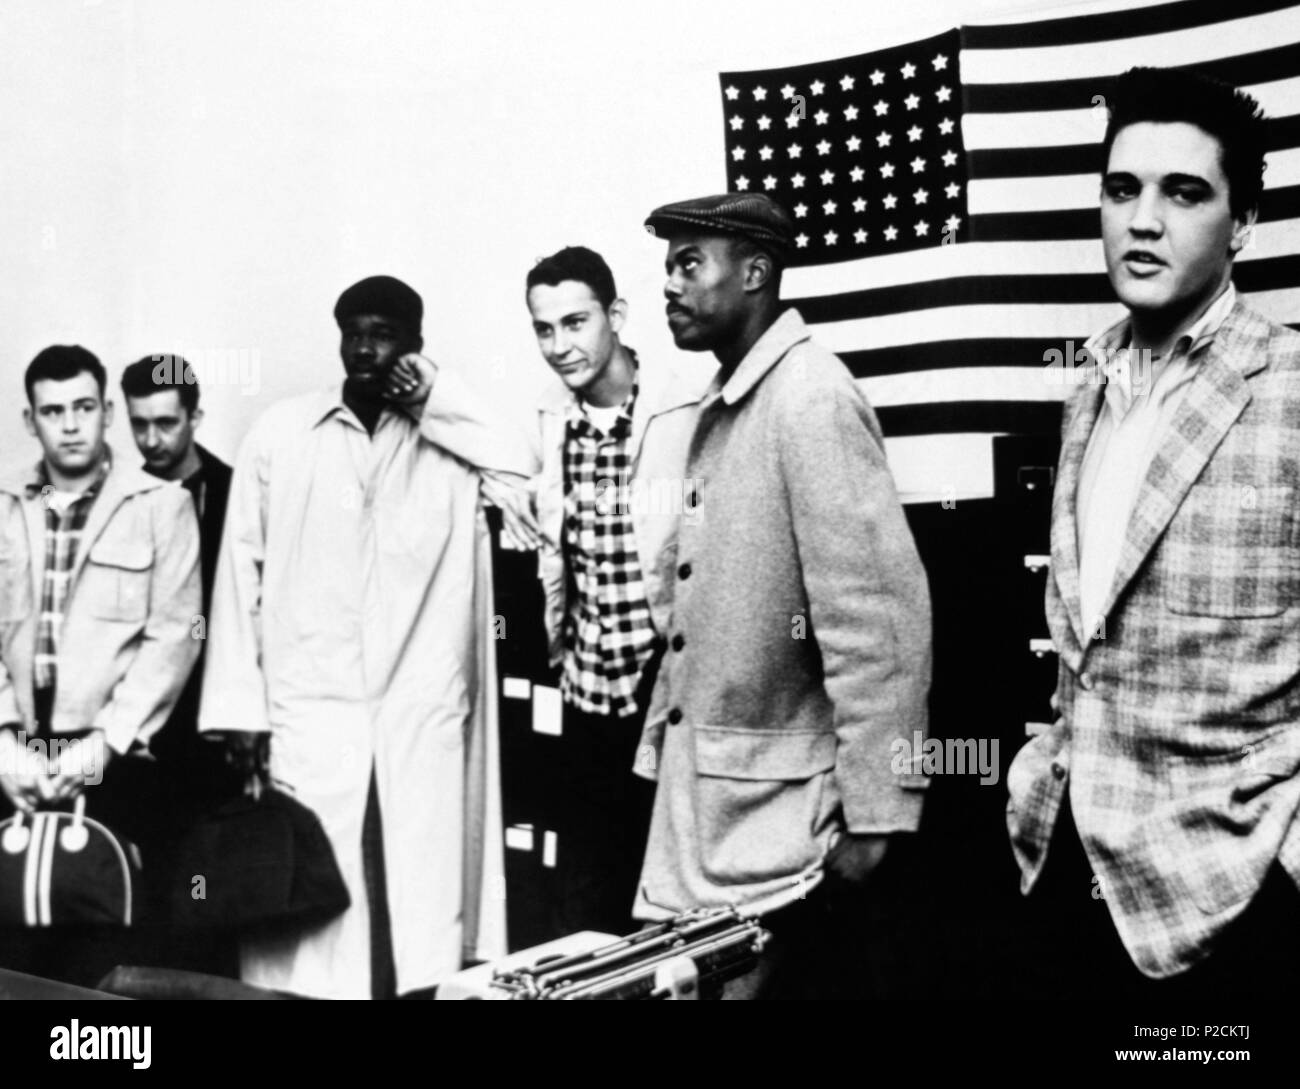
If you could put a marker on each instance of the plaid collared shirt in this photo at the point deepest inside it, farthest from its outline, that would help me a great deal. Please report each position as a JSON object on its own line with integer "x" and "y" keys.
{"x": 609, "y": 634}
{"x": 63, "y": 526}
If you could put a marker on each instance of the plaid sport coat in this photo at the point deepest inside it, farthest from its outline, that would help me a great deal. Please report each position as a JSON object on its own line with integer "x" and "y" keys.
{"x": 1179, "y": 730}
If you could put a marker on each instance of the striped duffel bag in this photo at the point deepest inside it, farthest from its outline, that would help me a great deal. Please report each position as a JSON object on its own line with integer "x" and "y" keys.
{"x": 59, "y": 867}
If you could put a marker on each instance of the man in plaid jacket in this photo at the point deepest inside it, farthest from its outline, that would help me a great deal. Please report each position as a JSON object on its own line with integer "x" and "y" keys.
{"x": 1157, "y": 823}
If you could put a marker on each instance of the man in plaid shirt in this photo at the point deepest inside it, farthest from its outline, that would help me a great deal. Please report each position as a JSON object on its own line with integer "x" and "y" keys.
{"x": 610, "y": 494}
{"x": 99, "y": 598}
{"x": 1157, "y": 823}
{"x": 65, "y": 519}
{"x": 609, "y": 635}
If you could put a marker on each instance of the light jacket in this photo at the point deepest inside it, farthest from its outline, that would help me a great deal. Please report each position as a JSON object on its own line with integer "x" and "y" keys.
{"x": 132, "y": 627}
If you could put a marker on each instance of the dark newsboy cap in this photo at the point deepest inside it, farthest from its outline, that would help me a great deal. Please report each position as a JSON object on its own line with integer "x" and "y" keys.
{"x": 385, "y": 296}
{"x": 755, "y": 216}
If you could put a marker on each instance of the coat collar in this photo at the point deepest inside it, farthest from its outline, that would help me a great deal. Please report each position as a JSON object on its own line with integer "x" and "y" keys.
{"x": 662, "y": 388}
{"x": 779, "y": 337}
{"x": 121, "y": 480}
{"x": 211, "y": 463}
{"x": 330, "y": 403}
{"x": 1110, "y": 351}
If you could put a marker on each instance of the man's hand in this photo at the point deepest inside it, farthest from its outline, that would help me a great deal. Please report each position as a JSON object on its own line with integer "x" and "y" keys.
{"x": 410, "y": 380}
{"x": 853, "y": 858}
{"x": 519, "y": 528}
{"x": 81, "y": 764}
{"x": 22, "y": 772}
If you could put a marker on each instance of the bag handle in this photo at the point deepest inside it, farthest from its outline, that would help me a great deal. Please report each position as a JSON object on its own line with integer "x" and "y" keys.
{"x": 75, "y": 836}
{"x": 16, "y": 836}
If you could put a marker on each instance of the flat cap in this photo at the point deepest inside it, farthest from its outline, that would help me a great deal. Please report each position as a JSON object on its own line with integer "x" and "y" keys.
{"x": 755, "y": 216}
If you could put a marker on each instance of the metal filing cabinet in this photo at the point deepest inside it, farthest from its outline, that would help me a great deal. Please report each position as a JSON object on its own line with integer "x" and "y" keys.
{"x": 1024, "y": 470}
{"x": 531, "y": 790}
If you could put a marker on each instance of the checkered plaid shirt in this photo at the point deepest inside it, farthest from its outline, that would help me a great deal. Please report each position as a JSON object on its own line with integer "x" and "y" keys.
{"x": 609, "y": 635}
{"x": 62, "y": 538}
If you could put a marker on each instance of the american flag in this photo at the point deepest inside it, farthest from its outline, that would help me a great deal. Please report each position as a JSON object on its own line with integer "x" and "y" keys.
{"x": 945, "y": 193}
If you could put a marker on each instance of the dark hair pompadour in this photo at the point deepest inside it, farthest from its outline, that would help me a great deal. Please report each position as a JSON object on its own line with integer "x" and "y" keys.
{"x": 1231, "y": 116}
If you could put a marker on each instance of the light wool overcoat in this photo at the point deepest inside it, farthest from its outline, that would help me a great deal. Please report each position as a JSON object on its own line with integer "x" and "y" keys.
{"x": 798, "y": 644}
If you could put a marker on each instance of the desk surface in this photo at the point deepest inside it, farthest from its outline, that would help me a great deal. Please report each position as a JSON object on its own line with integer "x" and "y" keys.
{"x": 19, "y": 985}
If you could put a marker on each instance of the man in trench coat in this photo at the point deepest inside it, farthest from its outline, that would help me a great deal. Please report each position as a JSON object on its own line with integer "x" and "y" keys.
{"x": 351, "y": 623}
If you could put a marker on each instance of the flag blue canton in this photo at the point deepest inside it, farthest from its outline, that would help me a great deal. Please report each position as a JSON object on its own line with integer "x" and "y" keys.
{"x": 865, "y": 152}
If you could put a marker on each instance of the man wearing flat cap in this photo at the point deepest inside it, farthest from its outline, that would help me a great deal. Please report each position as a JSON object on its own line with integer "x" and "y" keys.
{"x": 799, "y": 640}
{"x": 350, "y": 625}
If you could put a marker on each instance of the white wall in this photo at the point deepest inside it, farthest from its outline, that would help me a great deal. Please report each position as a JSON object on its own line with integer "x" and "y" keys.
{"x": 207, "y": 177}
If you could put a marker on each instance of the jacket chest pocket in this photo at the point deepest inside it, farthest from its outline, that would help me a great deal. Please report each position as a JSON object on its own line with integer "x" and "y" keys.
{"x": 1231, "y": 551}
{"x": 114, "y": 582}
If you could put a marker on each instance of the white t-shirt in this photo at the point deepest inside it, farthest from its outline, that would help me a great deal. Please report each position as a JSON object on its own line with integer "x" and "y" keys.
{"x": 603, "y": 418}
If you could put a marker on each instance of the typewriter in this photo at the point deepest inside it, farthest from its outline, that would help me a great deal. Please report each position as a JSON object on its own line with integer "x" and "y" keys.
{"x": 689, "y": 956}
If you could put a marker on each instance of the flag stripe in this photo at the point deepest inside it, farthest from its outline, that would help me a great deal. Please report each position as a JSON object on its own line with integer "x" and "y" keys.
{"x": 957, "y": 322}
{"x": 941, "y": 465}
{"x": 1052, "y": 322}
{"x": 1017, "y": 162}
{"x": 970, "y": 384}
{"x": 968, "y": 259}
{"x": 985, "y": 197}
{"x": 1263, "y": 66}
{"x": 1007, "y": 352}
{"x": 1030, "y": 418}
{"x": 980, "y": 352}
{"x": 988, "y": 259}
{"x": 1276, "y": 273}
{"x": 1275, "y": 204}
{"x": 959, "y": 291}
{"x": 1111, "y": 25}
{"x": 1085, "y": 124}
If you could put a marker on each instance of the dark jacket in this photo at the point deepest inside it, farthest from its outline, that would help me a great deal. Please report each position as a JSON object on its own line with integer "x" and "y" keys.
{"x": 216, "y": 477}
{"x": 195, "y": 768}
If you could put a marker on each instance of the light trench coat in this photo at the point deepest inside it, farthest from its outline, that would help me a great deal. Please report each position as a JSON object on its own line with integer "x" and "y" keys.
{"x": 351, "y": 619}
